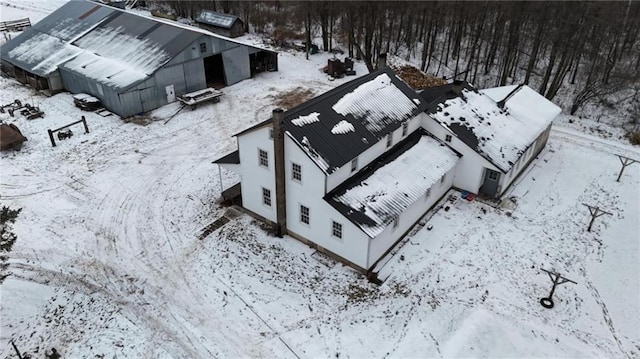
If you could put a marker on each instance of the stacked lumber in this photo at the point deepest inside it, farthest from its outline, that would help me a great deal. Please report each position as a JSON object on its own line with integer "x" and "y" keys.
{"x": 417, "y": 79}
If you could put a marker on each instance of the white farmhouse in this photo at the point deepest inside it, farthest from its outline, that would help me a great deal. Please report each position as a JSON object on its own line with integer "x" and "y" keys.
{"x": 352, "y": 170}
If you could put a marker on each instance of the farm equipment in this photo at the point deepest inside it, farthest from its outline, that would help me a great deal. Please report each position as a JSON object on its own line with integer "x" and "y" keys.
{"x": 194, "y": 98}
{"x": 30, "y": 112}
{"x": 12, "y": 106}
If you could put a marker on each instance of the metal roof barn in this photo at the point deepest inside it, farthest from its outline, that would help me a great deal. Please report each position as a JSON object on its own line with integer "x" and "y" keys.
{"x": 132, "y": 63}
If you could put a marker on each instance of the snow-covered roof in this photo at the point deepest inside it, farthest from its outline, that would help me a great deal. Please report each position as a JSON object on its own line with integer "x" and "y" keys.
{"x": 216, "y": 18}
{"x": 373, "y": 199}
{"x": 337, "y": 126}
{"x": 112, "y": 46}
{"x": 501, "y": 135}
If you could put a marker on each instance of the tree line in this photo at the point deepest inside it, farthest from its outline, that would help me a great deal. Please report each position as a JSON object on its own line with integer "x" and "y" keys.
{"x": 592, "y": 46}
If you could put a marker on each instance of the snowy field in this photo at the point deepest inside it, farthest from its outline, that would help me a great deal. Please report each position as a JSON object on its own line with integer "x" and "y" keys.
{"x": 108, "y": 262}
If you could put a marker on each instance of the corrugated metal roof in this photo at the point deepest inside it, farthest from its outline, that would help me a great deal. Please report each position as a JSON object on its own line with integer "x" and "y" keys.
{"x": 216, "y": 19}
{"x": 499, "y": 135}
{"x": 376, "y": 196}
{"x": 114, "y": 47}
{"x": 339, "y": 125}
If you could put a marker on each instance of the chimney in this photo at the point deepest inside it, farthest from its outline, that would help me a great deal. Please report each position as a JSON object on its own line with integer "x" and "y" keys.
{"x": 278, "y": 151}
{"x": 382, "y": 61}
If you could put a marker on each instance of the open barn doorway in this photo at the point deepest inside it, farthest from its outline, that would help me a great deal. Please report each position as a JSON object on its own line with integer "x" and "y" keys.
{"x": 214, "y": 71}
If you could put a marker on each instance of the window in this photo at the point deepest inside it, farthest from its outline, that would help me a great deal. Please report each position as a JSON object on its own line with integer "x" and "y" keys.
{"x": 396, "y": 221}
{"x": 405, "y": 128}
{"x": 389, "y": 140}
{"x": 493, "y": 175}
{"x": 203, "y": 47}
{"x": 271, "y": 133}
{"x": 266, "y": 197}
{"x": 428, "y": 193}
{"x": 443, "y": 178}
{"x": 296, "y": 172}
{"x": 304, "y": 214}
{"x": 354, "y": 164}
{"x": 447, "y": 138}
{"x": 263, "y": 157}
{"x": 336, "y": 229}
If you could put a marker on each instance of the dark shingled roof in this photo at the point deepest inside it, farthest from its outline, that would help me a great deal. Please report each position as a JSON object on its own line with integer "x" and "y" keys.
{"x": 232, "y": 158}
{"x": 321, "y": 138}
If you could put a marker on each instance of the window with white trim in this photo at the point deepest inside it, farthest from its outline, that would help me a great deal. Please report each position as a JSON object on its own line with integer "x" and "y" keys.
{"x": 304, "y": 214}
{"x": 263, "y": 158}
{"x": 336, "y": 229}
{"x": 266, "y": 197}
{"x": 296, "y": 172}
{"x": 405, "y": 128}
{"x": 203, "y": 47}
{"x": 389, "y": 140}
{"x": 271, "y": 133}
{"x": 354, "y": 164}
{"x": 447, "y": 138}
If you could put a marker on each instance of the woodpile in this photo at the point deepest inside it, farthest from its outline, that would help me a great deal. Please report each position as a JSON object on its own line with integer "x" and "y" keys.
{"x": 417, "y": 79}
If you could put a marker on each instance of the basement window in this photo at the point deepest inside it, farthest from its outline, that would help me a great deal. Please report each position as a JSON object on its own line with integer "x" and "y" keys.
{"x": 263, "y": 158}
{"x": 389, "y": 140}
{"x": 405, "y": 129}
{"x": 336, "y": 229}
{"x": 296, "y": 172}
{"x": 354, "y": 164}
{"x": 304, "y": 214}
{"x": 447, "y": 138}
{"x": 203, "y": 47}
{"x": 266, "y": 197}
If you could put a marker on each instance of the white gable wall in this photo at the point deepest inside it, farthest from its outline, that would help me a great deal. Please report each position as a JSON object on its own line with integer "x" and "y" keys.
{"x": 253, "y": 176}
{"x": 470, "y": 169}
{"x": 372, "y": 153}
{"x": 381, "y": 243}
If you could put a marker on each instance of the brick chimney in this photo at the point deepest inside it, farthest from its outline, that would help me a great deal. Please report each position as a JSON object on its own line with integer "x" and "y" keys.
{"x": 278, "y": 151}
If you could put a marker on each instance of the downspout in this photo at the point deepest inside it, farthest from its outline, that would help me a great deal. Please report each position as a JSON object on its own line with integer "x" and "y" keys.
{"x": 278, "y": 151}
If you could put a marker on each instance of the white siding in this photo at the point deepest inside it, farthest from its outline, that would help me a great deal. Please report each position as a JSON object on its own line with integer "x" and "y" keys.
{"x": 470, "y": 168}
{"x": 255, "y": 177}
{"x": 310, "y": 192}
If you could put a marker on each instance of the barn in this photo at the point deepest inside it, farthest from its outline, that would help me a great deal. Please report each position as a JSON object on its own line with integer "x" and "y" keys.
{"x": 132, "y": 63}
{"x": 220, "y": 23}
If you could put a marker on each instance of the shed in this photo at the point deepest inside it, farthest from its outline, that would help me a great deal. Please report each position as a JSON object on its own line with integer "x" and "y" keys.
{"x": 220, "y": 23}
{"x": 132, "y": 63}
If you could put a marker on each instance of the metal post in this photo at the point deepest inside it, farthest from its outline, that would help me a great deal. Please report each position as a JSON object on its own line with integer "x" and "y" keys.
{"x": 220, "y": 174}
{"x": 16, "y": 349}
{"x": 86, "y": 128}
{"x": 53, "y": 142}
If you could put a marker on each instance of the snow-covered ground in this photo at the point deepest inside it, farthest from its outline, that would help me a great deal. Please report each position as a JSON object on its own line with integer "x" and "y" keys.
{"x": 108, "y": 262}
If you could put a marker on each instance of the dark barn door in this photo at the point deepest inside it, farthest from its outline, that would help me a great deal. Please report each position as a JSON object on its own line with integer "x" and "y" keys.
{"x": 490, "y": 185}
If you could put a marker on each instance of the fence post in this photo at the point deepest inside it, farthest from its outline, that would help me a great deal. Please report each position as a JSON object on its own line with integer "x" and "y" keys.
{"x": 86, "y": 128}
{"x": 53, "y": 142}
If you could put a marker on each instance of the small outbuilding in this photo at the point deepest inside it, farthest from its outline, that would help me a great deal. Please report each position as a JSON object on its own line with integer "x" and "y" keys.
{"x": 220, "y": 23}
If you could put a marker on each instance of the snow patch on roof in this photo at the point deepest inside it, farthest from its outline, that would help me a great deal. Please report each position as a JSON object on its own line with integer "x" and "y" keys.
{"x": 45, "y": 51}
{"x": 370, "y": 101}
{"x": 305, "y": 120}
{"x": 116, "y": 58}
{"x": 216, "y": 18}
{"x": 392, "y": 188}
{"x": 501, "y": 136}
{"x": 527, "y": 104}
{"x": 342, "y": 127}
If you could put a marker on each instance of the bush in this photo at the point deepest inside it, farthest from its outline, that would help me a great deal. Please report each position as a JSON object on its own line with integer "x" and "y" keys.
{"x": 634, "y": 137}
